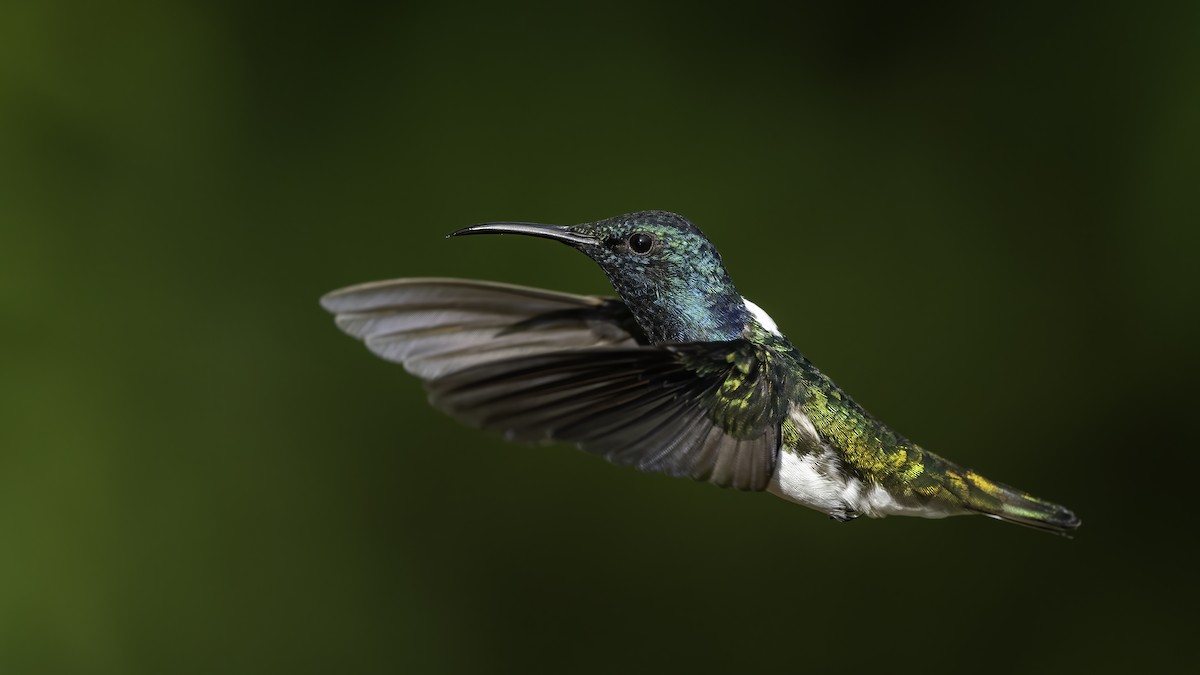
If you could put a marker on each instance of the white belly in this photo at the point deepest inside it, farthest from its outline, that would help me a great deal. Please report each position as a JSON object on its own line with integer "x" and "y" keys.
{"x": 818, "y": 481}
{"x": 814, "y": 480}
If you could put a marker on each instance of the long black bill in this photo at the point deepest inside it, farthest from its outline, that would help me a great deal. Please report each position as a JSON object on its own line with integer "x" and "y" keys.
{"x": 555, "y": 232}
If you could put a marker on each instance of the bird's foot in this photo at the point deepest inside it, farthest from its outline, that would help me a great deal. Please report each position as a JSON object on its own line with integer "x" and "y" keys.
{"x": 843, "y": 514}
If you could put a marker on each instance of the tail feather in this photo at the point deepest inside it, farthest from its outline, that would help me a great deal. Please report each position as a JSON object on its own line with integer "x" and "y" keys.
{"x": 1005, "y": 503}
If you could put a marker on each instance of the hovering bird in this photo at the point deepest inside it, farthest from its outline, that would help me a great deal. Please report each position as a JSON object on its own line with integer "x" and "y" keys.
{"x": 681, "y": 376}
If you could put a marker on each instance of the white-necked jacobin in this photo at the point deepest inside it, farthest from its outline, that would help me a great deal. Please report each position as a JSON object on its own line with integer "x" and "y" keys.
{"x": 681, "y": 375}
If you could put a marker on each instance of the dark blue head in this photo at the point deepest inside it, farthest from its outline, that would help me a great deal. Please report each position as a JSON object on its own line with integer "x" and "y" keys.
{"x": 663, "y": 267}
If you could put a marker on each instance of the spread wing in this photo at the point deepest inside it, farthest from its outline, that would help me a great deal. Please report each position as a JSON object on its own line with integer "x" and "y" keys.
{"x": 538, "y": 365}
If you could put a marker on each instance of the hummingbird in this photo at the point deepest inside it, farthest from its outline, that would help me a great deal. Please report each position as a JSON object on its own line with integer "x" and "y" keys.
{"x": 680, "y": 375}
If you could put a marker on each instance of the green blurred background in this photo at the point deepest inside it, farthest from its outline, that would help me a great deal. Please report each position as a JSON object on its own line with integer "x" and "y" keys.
{"x": 980, "y": 221}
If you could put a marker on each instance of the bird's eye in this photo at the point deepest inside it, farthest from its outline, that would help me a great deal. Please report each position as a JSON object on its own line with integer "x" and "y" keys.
{"x": 641, "y": 243}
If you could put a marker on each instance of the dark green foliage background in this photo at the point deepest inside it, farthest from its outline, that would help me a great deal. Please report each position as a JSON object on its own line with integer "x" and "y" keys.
{"x": 981, "y": 222}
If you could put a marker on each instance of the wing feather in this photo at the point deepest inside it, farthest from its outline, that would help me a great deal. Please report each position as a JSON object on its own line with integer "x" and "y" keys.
{"x": 539, "y": 365}
{"x": 435, "y": 327}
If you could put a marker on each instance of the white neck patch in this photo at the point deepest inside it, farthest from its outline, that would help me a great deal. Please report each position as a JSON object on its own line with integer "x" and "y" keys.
{"x": 762, "y": 317}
